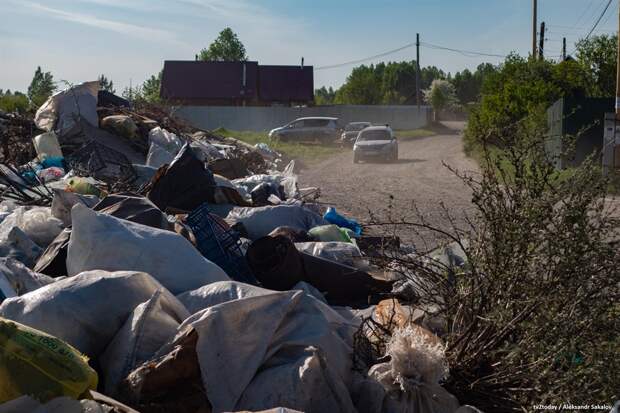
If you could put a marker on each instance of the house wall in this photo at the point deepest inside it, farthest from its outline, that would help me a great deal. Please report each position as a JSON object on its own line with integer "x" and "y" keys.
{"x": 257, "y": 118}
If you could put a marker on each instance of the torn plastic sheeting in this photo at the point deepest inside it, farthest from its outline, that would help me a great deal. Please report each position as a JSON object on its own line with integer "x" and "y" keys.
{"x": 46, "y": 145}
{"x": 205, "y": 151}
{"x": 185, "y": 184}
{"x": 86, "y": 310}
{"x": 17, "y": 279}
{"x": 63, "y": 109}
{"x": 100, "y": 241}
{"x": 247, "y": 336}
{"x": 37, "y": 364}
{"x": 341, "y": 252}
{"x": 260, "y": 221}
{"x": 150, "y": 326}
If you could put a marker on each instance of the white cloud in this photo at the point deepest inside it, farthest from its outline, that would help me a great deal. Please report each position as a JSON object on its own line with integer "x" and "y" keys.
{"x": 141, "y": 32}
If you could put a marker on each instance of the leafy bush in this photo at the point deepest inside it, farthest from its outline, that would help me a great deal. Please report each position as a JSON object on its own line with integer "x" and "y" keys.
{"x": 533, "y": 316}
{"x": 520, "y": 88}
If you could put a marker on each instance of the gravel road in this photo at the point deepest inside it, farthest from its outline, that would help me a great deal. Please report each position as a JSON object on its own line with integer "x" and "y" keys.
{"x": 418, "y": 177}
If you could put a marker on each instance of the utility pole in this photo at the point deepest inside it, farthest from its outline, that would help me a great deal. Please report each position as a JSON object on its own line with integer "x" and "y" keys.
{"x": 618, "y": 74}
{"x": 417, "y": 69}
{"x": 541, "y": 47}
{"x": 534, "y": 24}
{"x": 563, "y": 48}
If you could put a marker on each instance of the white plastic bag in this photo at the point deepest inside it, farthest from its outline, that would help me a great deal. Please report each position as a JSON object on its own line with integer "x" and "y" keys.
{"x": 100, "y": 241}
{"x": 167, "y": 140}
{"x": 147, "y": 328}
{"x": 46, "y": 145}
{"x": 87, "y": 310}
{"x": 260, "y": 221}
{"x": 37, "y": 223}
{"x": 62, "y": 111}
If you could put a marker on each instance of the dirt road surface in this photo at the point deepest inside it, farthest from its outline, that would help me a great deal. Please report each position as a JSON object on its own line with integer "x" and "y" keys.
{"x": 419, "y": 177}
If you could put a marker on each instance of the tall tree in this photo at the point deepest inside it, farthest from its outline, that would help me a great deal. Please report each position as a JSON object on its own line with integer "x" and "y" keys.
{"x": 324, "y": 96}
{"x": 41, "y": 87}
{"x": 598, "y": 56}
{"x": 226, "y": 47}
{"x": 106, "y": 84}
{"x": 441, "y": 95}
{"x": 151, "y": 88}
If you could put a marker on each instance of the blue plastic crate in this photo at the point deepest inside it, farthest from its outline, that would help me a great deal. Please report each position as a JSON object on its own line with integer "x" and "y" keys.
{"x": 220, "y": 244}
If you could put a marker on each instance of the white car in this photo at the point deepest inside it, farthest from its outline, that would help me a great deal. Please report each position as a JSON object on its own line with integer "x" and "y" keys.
{"x": 377, "y": 142}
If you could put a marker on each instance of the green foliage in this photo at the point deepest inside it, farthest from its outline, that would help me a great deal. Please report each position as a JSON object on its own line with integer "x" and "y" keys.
{"x": 226, "y": 48}
{"x": 468, "y": 85}
{"x": 324, "y": 96}
{"x": 520, "y": 88}
{"x": 598, "y": 56}
{"x": 393, "y": 83}
{"x": 441, "y": 95}
{"x": 148, "y": 92}
{"x": 41, "y": 87}
{"x": 105, "y": 84}
{"x": 13, "y": 102}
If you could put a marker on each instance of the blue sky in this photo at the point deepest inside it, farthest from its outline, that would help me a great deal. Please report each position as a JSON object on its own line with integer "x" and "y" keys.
{"x": 128, "y": 39}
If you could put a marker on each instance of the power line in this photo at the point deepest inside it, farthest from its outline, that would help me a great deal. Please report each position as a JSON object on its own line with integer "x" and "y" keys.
{"x": 599, "y": 19}
{"x": 467, "y": 53}
{"x": 583, "y": 14}
{"x": 353, "y": 62}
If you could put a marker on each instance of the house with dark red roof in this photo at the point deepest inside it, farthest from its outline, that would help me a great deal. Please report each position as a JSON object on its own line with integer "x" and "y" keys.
{"x": 199, "y": 83}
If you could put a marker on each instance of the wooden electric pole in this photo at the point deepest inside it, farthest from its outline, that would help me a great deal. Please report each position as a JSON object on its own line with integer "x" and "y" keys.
{"x": 417, "y": 70}
{"x": 534, "y": 24}
{"x": 618, "y": 71}
{"x": 563, "y": 48}
{"x": 541, "y": 47}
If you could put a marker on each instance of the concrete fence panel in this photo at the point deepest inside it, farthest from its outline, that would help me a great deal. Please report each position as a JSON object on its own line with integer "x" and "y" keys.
{"x": 259, "y": 118}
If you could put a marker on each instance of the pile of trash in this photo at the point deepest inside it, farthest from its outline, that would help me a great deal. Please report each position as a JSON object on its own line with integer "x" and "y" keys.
{"x": 148, "y": 266}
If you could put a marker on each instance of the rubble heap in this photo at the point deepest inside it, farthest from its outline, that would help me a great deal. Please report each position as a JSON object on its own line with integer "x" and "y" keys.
{"x": 150, "y": 266}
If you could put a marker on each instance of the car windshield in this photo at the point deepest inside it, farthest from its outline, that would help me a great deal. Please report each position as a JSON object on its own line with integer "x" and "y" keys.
{"x": 355, "y": 126}
{"x": 375, "y": 135}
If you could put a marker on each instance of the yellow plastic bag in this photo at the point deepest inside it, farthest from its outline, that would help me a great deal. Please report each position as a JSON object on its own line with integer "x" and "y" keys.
{"x": 37, "y": 364}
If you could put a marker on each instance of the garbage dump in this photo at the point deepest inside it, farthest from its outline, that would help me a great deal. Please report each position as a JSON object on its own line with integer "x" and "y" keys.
{"x": 148, "y": 266}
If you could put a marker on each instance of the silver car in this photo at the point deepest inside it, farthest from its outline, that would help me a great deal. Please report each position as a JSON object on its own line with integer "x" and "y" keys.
{"x": 376, "y": 142}
{"x": 322, "y": 129}
{"x": 351, "y": 130}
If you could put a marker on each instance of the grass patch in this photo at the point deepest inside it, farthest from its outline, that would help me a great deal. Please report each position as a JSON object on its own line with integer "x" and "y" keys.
{"x": 306, "y": 152}
{"x": 405, "y": 135}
